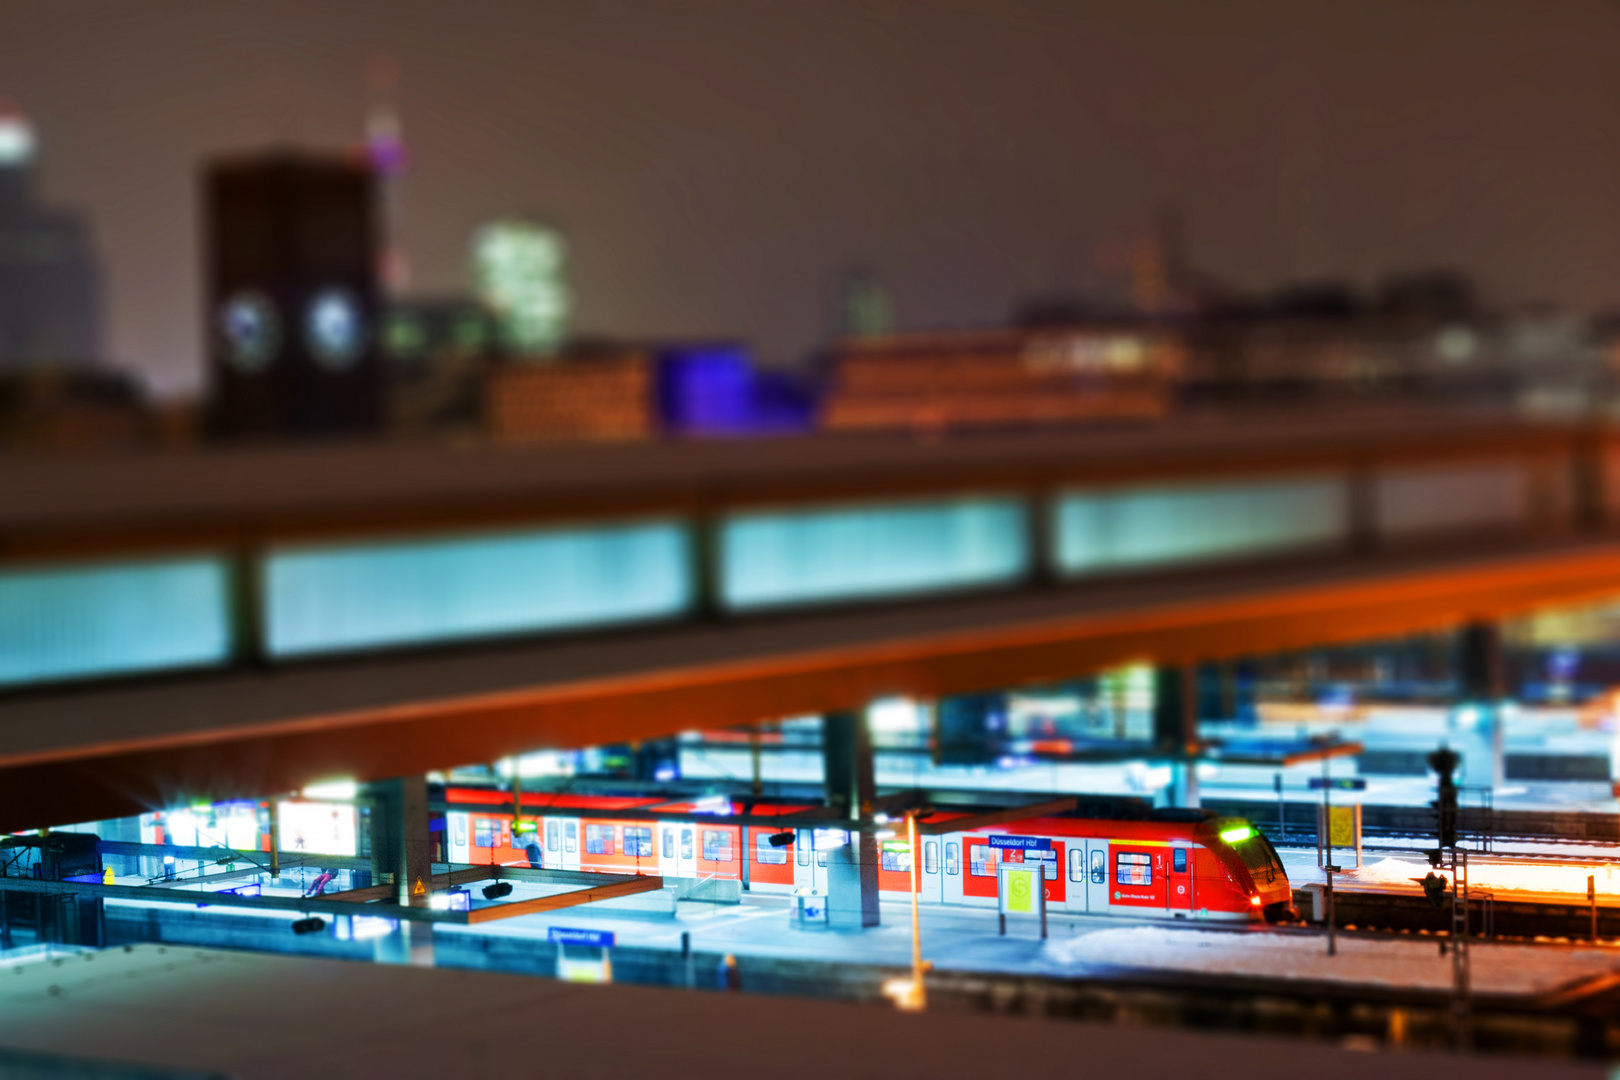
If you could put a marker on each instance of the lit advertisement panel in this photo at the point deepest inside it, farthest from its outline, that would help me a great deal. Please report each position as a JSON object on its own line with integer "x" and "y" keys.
{"x": 321, "y": 828}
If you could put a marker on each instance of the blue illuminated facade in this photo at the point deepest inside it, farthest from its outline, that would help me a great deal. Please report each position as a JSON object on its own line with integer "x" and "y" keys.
{"x": 800, "y": 557}
{"x": 73, "y": 621}
{"x": 1142, "y": 527}
{"x": 323, "y": 599}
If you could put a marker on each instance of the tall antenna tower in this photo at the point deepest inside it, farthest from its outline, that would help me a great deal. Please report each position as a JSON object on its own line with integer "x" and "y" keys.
{"x": 385, "y": 150}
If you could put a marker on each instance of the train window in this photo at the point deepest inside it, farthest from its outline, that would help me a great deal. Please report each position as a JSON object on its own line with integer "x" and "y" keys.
{"x": 552, "y": 844}
{"x": 571, "y": 837}
{"x": 598, "y": 839}
{"x": 1048, "y": 861}
{"x": 804, "y": 849}
{"x": 486, "y": 832}
{"x": 1178, "y": 860}
{"x": 686, "y": 843}
{"x": 821, "y": 858}
{"x": 953, "y": 859}
{"x": 983, "y": 860}
{"x": 930, "y": 856}
{"x": 1099, "y": 868}
{"x": 764, "y": 854}
{"x": 669, "y": 843}
{"x": 638, "y": 841}
{"x": 896, "y": 860}
{"x": 1133, "y": 868}
{"x": 717, "y": 845}
{"x": 1077, "y": 864}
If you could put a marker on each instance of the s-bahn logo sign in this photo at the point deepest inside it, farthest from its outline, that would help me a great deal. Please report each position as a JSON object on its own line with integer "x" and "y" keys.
{"x": 1021, "y": 843}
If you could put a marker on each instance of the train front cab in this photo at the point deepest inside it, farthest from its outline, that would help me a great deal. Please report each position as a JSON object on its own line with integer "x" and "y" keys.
{"x": 1143, "y": 869}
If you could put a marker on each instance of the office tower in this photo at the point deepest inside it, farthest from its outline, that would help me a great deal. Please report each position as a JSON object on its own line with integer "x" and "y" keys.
{"x": 292, "y": 295}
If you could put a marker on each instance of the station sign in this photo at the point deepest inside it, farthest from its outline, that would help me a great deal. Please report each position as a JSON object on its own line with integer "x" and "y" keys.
{"x": 1338, "y": 783}
{"x": 596, "y": 939}
{"x": 1021, "y": 843}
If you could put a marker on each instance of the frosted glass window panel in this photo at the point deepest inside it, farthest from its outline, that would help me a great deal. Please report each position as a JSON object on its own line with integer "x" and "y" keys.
{"x": 779, "y": 559}
{"x": 321, "y": 599}
{"x": 106, "y": 619}
{"x": 1100, "y": 531}
{"x": 1436, "y": 499}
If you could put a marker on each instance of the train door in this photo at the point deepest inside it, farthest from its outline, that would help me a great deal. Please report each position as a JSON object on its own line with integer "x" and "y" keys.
{"x": 562, "y": 843}
{"x": 1097, "y": 876}
{"x": 810, "y": 864}
{"x": 1179, "y": 896}
{"x": 932, "y": 873}
{"x": 950, "y": 852}
{"x": 1052, "y": 864}
{"x": 665, "y": 836}
{"x": 686, "y": 849}
{"x": 456, "y": 835}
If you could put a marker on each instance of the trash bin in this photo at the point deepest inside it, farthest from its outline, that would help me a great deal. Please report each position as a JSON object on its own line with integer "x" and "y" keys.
{"x": 809, "y": 909}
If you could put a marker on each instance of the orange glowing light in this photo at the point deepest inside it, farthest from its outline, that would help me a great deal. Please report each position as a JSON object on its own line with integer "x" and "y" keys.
{"x": 1569, "y": 878}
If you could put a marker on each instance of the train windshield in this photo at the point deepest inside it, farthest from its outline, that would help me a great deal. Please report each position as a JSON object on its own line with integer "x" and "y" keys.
{"x": 1260, "y": 857}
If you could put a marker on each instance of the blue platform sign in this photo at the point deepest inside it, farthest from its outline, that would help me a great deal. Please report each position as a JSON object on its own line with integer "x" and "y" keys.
{"x": 1021, "y": 843}
{"x": 1338, "y": 783}
{"x": 597, "y": 939}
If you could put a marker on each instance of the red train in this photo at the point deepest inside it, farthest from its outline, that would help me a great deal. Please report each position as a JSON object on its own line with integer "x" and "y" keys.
{"x": 1224, "y": 869}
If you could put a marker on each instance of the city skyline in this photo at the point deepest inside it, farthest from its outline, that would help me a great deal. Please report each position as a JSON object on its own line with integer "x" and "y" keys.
{"x": 717, "y": 167}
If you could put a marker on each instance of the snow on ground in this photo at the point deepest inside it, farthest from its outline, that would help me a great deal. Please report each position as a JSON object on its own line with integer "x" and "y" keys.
{"x": 1496, "y": 876}
{"x": 1415, "y": 963}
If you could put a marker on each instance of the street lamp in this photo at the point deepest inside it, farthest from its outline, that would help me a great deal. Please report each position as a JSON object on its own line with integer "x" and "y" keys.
{"x": 912, "y": 995}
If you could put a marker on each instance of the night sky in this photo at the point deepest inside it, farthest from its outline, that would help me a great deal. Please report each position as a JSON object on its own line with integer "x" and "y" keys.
{"x": 718, "y": 164}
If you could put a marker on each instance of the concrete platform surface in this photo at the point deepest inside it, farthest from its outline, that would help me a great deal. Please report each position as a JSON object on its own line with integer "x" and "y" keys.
{"x": 249, "y": 1016}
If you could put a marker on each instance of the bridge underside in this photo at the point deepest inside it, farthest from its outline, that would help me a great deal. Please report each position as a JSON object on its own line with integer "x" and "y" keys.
{"x": 88, "y": 753}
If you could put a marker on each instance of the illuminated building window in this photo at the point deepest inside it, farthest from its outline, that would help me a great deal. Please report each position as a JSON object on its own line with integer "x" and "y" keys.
{"x": 404, "y": 336}
{"x": 360, "y": 595}
{"x": 1097, "y": 532}
{"x": 518, "y": 266}
{"x": 108, "y": 619}
{"x": 771, "y": 559}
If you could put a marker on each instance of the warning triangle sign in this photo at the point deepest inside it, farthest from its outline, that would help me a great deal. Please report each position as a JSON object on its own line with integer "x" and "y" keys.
{"x": 418, "y": 890}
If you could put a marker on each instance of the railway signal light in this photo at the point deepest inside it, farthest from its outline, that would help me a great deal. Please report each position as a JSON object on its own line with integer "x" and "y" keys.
{"x": 1434, "y": 888}
{"x": 497, "y": 890}
{"x": 1444, "y": 762}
